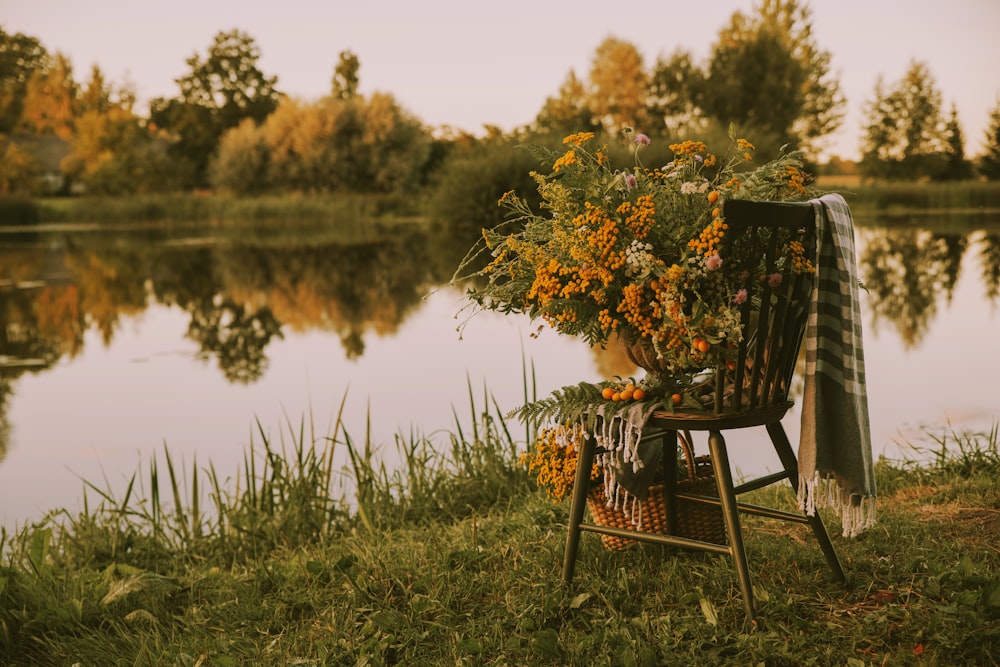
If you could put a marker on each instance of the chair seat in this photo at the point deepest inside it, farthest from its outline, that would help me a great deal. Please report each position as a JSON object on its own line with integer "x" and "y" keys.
{"x": 693, "y": 420}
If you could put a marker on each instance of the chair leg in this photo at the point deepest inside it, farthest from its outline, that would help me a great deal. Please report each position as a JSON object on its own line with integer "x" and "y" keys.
{"x": 730, "y": 512}
{"x": 578, "y": 503}
{"x": 669, "y": 468}
{"x": 784, "y": 449}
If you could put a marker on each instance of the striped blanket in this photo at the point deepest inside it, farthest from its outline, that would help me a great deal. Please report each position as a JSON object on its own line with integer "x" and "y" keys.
{"x": 835, "y": 453}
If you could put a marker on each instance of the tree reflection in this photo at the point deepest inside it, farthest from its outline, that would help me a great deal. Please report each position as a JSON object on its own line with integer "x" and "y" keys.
{"x": 989, "y": 255}
{"x": 905, "y": 271}
{"x": 235, "y": 335}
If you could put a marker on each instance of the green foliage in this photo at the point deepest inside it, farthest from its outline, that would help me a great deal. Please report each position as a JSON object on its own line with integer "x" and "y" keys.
{"x": 569, "y": 404}
{"x": 905, "y": 136}
{"x": 766, "y": 73}
{"x": 472, "y": 179}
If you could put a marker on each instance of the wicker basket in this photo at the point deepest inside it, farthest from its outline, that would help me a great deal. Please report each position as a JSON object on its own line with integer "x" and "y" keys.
{"x": 698, "y": 521}
{"x": 640, "y": 352}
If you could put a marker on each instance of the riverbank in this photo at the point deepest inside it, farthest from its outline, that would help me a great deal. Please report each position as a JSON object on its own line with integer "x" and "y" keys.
{"x": 867, "y": 200}
{"x": 456, "y": 561}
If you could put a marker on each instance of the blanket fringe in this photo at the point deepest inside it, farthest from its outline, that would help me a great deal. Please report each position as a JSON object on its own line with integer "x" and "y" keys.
{"x": 857, "y": 513}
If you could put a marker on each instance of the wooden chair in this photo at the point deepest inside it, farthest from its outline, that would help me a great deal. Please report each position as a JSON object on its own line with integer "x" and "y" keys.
{"x": 755, "y": 393}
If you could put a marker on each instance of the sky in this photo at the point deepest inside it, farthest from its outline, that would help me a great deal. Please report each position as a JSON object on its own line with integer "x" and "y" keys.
{"x": 466, "y": 64}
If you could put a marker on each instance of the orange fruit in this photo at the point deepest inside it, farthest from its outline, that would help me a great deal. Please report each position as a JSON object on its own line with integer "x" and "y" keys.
{"x": 607, "y": 393}
{"x": 616, "y": 396}
{"x": 713, "y": 196}
{"x": 676, "y": 399}
{"x": 639, "y": 394}
{"x": 701, "y": 345}
{"x": 730, "y": 364}
{"x": 626, "y": 394}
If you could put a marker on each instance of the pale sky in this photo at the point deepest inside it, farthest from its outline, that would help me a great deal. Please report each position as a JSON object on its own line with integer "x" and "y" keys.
{"x": 465, "y": 63}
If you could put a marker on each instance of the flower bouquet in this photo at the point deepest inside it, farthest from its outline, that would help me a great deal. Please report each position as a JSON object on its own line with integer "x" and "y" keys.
{"x": 638, "y": 256}
{"x": 634, "y": 255}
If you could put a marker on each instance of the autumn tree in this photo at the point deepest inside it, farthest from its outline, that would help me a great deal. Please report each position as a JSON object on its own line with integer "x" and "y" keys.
{"x": 49, "y": 98}
{"x": 904, "y": 130}
{"x": 20, "y": 57}
{"x": 767, "y": 72}
{"x": 989, "y": 163}
{"x": 360, "y": 144}
{"x": 617, "y": 86}
{"x": 113, "y": 152}
{"x": 217, "y": 94}
{"x": 345, "y": 76}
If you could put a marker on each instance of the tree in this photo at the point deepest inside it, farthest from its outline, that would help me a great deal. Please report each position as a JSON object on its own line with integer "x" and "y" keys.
{"x": 345, "y": 76}
{"x": 989, "y": 163}
{"x": 20, "y": 57}
{"x": 766, "y": 71}
{"x": 955, "y": 167}
{"x": 217, "y": 94}
{"x": 567, "y": 112}
{"x": 904, "y": 132}
{"x": 112, "y": 150}
{"x": 49, "y": 100}
{"x": 618, "y": 81}
{"x": 675, "y": 90}
{"x": 356, "y": 145}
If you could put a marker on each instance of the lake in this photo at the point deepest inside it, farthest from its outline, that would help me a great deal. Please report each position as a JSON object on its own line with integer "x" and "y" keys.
{"x": 120, "y": 344}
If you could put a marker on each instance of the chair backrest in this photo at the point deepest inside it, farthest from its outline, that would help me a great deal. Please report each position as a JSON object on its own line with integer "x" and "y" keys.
{"x": 773, "y": 316}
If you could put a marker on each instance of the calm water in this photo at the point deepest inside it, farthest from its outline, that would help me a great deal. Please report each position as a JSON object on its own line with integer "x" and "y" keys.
{"x": 116, "y": 345}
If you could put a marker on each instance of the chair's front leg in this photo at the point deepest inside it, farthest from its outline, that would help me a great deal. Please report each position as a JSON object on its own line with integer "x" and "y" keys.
{"x": 581, "y": 487}
{"x": 731, "y": 514}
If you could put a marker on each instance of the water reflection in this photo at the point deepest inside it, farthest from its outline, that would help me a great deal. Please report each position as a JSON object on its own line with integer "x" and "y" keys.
{"x": 241, "y": 291}
{"x": 908, "y": 272}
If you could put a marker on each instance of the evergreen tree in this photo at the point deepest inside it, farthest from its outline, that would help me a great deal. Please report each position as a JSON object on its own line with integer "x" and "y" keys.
{"x": 956, "y": 167}
{"x": 989, "y": 163}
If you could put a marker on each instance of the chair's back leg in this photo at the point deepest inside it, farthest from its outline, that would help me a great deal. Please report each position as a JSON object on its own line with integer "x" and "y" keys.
{"x": 784, "y": 449}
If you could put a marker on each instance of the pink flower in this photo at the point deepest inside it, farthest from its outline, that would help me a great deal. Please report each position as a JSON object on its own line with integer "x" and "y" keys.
{"x": 642, "y": 139}
{"x": 774, "y": 280}
{"x": 713, "y": 262}
{"x": 630, "y": 181}
{"x": 740, "y": 297}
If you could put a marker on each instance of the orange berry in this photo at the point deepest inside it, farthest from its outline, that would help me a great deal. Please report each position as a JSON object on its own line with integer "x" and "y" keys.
{"x": 676, "y": 399}
{"x": 607, "y": 393}
{"x": 713, "y": 196}
{"x": 626, "y": 394}
{"x": 701, "y": 345}
{"x": 616, "y": 396}
{"x": 639, "y": 394}
{"x": 730, "y": 364}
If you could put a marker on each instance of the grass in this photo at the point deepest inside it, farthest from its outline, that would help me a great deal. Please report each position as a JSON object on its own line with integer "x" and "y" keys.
{"x": 454, "y": 559}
